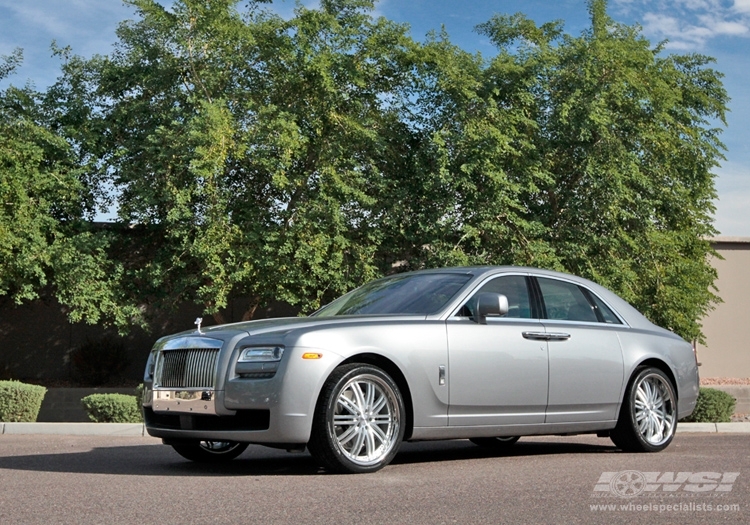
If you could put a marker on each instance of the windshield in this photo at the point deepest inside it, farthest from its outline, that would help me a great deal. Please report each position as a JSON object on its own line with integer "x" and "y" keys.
{"x": 406, "y": 294}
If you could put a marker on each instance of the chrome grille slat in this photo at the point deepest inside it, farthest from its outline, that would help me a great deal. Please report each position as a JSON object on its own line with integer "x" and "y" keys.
{"x": 188, "y": 368}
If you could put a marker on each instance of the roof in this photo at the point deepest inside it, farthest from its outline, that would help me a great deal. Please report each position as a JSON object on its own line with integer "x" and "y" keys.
{"x": 729, "y": 240}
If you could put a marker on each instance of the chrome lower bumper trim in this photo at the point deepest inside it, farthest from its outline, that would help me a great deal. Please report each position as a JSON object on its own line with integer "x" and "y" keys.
{"x": 185, "y": 401}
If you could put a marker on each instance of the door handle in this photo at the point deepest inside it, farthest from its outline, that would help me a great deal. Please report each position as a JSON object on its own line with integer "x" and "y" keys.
{"x": 546, "y": 336}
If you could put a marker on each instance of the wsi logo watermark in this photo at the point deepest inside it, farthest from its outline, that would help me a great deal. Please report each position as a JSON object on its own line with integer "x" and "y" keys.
{"x": 631, "y": 483}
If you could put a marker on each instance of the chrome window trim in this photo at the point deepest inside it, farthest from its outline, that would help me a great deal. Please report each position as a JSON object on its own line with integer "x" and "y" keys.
{"x": 475, "y": 289}
{"x": 597, "y": 323}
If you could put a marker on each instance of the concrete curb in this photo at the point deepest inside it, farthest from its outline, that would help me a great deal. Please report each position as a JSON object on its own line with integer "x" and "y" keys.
{"x": 728, "y": 427}
{"x": 138, "y": 429}
{"x": 742, "y": 427}
{"x": 697, "y": 427}
{"x": 75, "y": 429}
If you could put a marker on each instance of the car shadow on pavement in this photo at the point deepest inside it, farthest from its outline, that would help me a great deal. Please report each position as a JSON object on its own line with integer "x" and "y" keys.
{"x": 458, "y": 450}
{"x": 161, "y": 461}
{"x": 262, "y": 461}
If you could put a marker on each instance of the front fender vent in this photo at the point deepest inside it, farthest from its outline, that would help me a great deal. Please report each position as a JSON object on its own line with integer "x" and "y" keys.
{"x": 188, "y": 368}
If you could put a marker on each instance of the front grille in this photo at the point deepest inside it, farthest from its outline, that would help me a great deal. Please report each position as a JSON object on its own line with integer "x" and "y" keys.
{"x": 189, "y": 368}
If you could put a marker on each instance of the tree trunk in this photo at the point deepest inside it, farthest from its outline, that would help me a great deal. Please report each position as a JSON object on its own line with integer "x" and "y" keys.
{"x": 219, "y": 318}
{"x": 250, "y": 312}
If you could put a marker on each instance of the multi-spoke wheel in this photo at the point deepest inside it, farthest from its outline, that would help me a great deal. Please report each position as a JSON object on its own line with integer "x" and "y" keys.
{"x": 209, "y": 451}
{"x": 648, "y": 417}
{"x": 358, "y": 424}
{"x": 495, "y": 442}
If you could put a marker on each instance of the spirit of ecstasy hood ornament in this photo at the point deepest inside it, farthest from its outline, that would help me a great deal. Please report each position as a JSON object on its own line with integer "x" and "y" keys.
{"x": 198, "y": 322}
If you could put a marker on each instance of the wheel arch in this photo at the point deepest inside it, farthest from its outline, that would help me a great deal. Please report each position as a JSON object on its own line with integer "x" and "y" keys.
{"x": 629, "y": 435}
{"x": 394, "y": 371}
{"x": 661, "y": 365}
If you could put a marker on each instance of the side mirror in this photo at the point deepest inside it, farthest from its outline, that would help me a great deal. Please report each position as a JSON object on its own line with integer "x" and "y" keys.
{"x": 489, "y": 304}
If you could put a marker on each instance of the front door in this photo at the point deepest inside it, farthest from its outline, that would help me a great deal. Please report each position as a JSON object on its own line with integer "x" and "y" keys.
{"x": 496, "y": 374}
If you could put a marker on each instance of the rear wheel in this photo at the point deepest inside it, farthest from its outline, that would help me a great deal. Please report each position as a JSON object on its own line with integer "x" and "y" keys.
{"x": 209, "y": 451}
{"x": 495, "y": 442}
{"x": 648, "y": 417}
{"x": 358, "y": 424}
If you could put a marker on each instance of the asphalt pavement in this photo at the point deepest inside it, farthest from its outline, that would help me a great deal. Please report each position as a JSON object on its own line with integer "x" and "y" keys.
{"x": 74, "y": 479}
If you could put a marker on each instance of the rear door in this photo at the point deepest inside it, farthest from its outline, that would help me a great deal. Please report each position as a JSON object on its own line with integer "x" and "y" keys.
{"x": 585, "y": 357}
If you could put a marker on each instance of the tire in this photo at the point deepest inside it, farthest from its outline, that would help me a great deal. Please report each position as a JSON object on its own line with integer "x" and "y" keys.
{"x": 209, "y": 451}
{"x": 648, "y": 416}
{"x": 359, "y": 422}
{"x": 497, "y": 443}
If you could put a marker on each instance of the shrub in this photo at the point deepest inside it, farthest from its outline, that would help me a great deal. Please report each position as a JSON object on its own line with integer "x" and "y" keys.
{"x": 112, "y": 408}
{"x": 713, "y": 406}
{"x": 100, "y": 360}
{"x": 20, "y": 402}
{"x": 139, "y": 394}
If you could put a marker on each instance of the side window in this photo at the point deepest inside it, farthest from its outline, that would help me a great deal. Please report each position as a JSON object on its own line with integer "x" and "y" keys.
{"x": 607, "y": 314}
{"x": 565, "y": 301}
{"x": 514, "y": 288}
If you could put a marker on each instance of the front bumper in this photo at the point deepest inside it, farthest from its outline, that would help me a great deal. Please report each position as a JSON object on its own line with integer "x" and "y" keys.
{"x": 249, "y": 411}
{"x": 276, "y": 410}
{"x": 260, "y": 426}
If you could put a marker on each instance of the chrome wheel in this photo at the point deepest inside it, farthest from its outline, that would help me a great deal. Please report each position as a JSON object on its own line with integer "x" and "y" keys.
{"x": 359, "y": 420}
{"x": 366, "y": 420}
{"x": 648, "y": 417}
{"x": 654, "y": 409}
{"x": 218, "y": 447}
{"x": 209, "y": 451}
{"x": 495, "y": 442}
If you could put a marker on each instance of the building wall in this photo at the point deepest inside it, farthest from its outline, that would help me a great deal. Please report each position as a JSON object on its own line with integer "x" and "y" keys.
{"x": 727, "y": 349}
{"x": 36, "y": 340}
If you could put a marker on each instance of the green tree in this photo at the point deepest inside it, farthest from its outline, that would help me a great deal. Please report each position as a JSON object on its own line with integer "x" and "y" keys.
{"x": 624, "y": 135}
{"x": 45, "y": 248}
{"x": 468, "y": 167}
{"x": 26, "y": 184}
{"x": 243, "y": 148}
{"x": 252, "y": 156}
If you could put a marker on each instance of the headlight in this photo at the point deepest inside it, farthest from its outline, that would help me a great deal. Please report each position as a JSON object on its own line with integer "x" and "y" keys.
{"x": 261, "y": 354}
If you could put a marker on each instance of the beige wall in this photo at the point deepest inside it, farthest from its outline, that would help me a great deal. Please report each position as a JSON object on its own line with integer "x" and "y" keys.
{"x": 727, "y": 350}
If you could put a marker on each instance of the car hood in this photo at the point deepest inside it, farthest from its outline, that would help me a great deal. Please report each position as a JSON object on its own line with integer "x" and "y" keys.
{"x": 264, "y": 326}
{"x": 282, "y": 325}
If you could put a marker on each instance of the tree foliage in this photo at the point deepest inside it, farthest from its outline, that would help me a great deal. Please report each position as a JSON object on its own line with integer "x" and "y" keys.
{"x": 44, "y": 200}
{"x": 624, "y": 137}
{"x": 253, "y": 156}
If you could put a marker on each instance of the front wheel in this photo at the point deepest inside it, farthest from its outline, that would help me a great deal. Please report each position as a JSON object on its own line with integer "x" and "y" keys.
{"x": 359, "y": 420}
{"x": 497, "y": 443}
{"x": 648, "y": 417}
{"x": 209, "y": 451}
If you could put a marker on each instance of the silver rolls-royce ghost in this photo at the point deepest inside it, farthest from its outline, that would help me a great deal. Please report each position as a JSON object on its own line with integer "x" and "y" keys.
{"x": 487, "y": 353}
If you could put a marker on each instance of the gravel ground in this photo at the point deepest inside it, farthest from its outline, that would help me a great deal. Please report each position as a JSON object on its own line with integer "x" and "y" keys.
{"x": 713, "y": 381}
